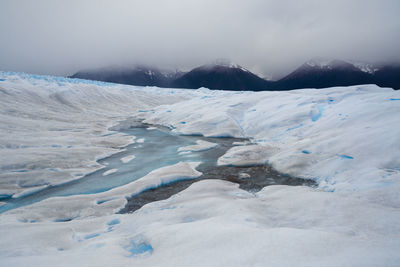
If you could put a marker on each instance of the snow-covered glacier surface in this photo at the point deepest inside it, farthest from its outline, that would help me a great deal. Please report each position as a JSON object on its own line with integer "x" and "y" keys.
{"x": 347, "y": 139}
{"x": 54, "y": 129}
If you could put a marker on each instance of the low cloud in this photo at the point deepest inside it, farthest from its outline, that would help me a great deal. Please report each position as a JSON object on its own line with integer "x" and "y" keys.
{"x": 61, "y": 37}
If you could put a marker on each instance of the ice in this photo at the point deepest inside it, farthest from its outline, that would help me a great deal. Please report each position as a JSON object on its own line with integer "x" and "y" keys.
{"x": 108, "y": 172}
{"x": 136, "y": 249}
{"x": 346, "y": 138}
{"x": 241, "y": 143}
{"x": 246, "y": 155}
{"x": 127, "y": 158}
{"x": 280, "y": 225}
{"x": 113, "y": 222}
{"x": 359, "y": 123}
{"x": 317, "y": 113}
{"x": 201, "y": 146}
{"x": 29, "y": 191}
{"x": 53, "y": 122}
{"x": 61, "y": 209}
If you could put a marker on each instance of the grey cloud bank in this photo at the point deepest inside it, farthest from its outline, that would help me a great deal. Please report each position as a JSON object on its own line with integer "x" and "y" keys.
{"x": 61, "y": 37}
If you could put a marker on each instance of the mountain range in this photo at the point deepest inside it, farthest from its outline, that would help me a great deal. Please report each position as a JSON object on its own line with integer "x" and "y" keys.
{"x": 317, "y": 73}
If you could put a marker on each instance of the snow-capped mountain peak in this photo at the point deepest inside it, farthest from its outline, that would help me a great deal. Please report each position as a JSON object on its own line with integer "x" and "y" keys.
{"x": 228, "y": 64}
{"x": 324, "y": 63}
{"x": 365, "y": 67}
{"x": 320, "y": 63}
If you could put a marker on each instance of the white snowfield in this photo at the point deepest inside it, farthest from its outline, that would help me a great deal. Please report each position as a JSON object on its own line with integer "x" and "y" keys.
{"x": 345, "y": 138}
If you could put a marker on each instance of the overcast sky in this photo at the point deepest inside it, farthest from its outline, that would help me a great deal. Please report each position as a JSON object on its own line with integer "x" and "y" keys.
{"x": 266, "y": 36}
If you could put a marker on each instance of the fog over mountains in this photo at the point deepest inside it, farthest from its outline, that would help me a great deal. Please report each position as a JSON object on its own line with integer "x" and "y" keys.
{"x": 224, "y": 75}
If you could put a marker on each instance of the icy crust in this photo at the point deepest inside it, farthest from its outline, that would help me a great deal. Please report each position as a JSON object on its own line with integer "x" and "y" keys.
{"x": 346, "y": 138}
{"x": 214, "y": 223}
{"x": 62, "y": 209}
{"x": 201, "y": 145}
{"x": 54, "y": 129}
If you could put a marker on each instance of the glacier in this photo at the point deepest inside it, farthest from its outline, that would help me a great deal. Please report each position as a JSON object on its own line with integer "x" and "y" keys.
{"x": 53, "y": 130}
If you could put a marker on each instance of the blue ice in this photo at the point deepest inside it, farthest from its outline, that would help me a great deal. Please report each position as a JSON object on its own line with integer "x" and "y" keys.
{"x": 113, "y": 222}
{"x": 394, "y": 99}
{"x": 54, "y": 79}
{"x": 67, "y": 219}
{"x": 168, "y": 208}
{"x": 5, "y": 196}
{"x": 295, "y": 127}
{"x": 148, "y": 159}
{"x": 305, "y": 152}
{"x": 20, "y": 170}
{"x": 345, "y": 157}
{"x": 183, "y": 122}
{"x": 108, "y": 134}
{"x": 91, "y": 236}
{"x": 99, "y": 202}
{"x": 317, "y": 116}
{"x": 136, "y": 249}
{"x": 188, "y": 219}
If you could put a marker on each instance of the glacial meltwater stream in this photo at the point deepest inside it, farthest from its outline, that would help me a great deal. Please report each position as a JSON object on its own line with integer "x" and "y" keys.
{"x": 155, "y": 148}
